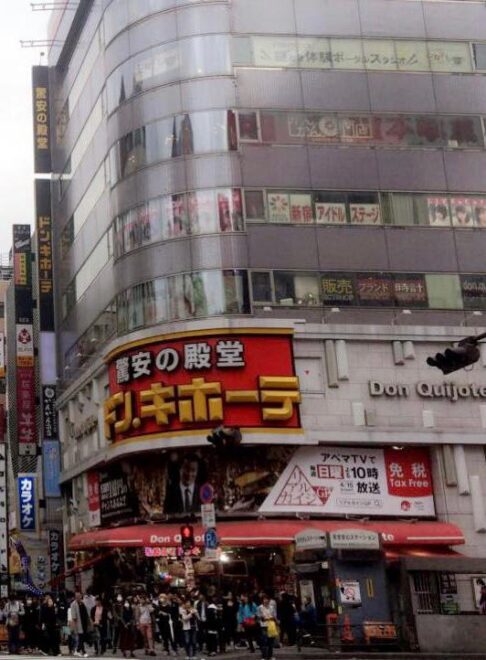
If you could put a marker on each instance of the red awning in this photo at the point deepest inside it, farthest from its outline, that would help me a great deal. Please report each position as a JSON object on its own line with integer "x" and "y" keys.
{"x": 268, "y": 532}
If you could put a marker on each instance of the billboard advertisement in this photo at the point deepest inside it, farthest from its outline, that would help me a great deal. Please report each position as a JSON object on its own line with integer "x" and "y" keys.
{"x": 355, "y": 480}
{"x": 94, "y": 499}
{"x": 197, "y": 382}
{"x": 271, "y": 479}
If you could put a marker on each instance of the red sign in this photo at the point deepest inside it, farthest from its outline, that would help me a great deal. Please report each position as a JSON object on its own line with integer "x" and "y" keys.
{"x": 192, "y": 382}
{"x": 26, "y": 429}
{"x": 94, "y": 504}
{"x": 408, "y": 473}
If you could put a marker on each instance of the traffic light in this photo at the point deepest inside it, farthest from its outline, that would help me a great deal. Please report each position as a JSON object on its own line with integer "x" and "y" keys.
{"x": 187, "y": 537}
{"x": 225, "y": 437}
{"x": 452, "y": 359}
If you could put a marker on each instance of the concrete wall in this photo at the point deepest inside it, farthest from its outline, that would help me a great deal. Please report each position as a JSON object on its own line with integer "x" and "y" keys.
{"x": 437, "y": 633}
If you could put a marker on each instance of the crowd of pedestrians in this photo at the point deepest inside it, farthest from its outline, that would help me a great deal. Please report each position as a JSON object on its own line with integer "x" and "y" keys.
{"x": 192, "y": 625}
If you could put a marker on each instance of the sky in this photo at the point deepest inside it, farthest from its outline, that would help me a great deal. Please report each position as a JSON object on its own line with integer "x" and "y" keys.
{"x": 16, "y": 166}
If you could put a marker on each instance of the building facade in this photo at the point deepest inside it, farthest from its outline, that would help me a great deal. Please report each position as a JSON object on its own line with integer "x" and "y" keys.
{"x": 266, "y": 216}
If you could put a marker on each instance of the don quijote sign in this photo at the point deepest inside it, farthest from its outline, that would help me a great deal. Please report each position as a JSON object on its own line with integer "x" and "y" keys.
{"x": 195, "y": 381}
{"x": 173, "y": 539}
{"x": 450, "y": 391}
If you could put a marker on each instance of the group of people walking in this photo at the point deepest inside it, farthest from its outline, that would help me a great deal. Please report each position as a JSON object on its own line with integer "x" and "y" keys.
{"x": 194, "y": 623}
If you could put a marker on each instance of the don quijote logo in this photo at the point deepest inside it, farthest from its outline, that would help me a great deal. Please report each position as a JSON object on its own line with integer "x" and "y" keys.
{"x": 164, "y": 540}
{"x": 24, "y": 336}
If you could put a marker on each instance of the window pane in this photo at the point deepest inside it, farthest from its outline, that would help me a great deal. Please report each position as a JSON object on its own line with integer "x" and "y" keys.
{"x": 237, "y": 300}
{"x": 330, "y": 208}
{"x": 449, "y": 56}
{"x": 444, "y": 291}
{"x": 379, "y": 54}
{"x": 301, "y": 208}
{"x": 201, "y": 208}
{"x": 480, "y": 55}
{"x": 375, "y": 289}
{"x": 462, "y": 212}
{"x": 473, "y": 291}
{"x": 412, "y": 55}
{"x": 438, "y": 211}
{"x": 248, "y": 126}
{"x": 254, "y": 205}
{"x": 230, "y": 210}
{"x": 410, "y": 290}
{"x": 274, "y": 51}
{"x": 347, "y": 54}
{"x": 261, "y": 285}
{"x": 338, "y": 289}
{"x": 278, "y": 207}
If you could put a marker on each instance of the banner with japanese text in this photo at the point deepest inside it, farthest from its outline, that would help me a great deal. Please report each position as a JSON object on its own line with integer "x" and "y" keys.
{"x": 40, "y": 102}
{"x": 355, "y": 480}
{"x": 27, "y": 496}
{"x": 197, "y": 382}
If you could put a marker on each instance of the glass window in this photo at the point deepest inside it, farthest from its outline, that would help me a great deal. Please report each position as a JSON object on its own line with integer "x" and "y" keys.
{"x": 230, "y": 210}
{"x": 174, "y": 216}
{"x": 406, "y": 209}
{"x": 438, "y": 211}
{"x": 330, "y": 208}
{"x": 410, "y": 290}
{"x": 248, "y": 126}
{"x": 347, "y": 54}
{"x": 338, "y": 289}
{"x": 135, "y": 305}
{"x": 278, "y": 205}
{"x": 478, "y": 205}
{"x": 375, "y": 289}
{"x": 254, "y": 205}
{"x": 449, "y": 56}
{"x": 479, "y": 56}
{"x": 364, "y": 209}
{"x": 473, "y": 291}
{"x": 379, "y": 55}
{"x": 278, "y": 52}
{"x": 314, "y": 53}
{"x": 301, "y": 208}
{"x": 412, "y": 55}
{"x": 463, "y": 132}
{"x": 463, "y": 215}
{"x": 201, "y": 208}
{"x": 296, "y": 288}
{"x": 67, "y": 237}
{"x": 237, "y": 297}
{"x": 122, "y": 313}
{"x": 261, "y": 286}
{"x": 444, "y": 291}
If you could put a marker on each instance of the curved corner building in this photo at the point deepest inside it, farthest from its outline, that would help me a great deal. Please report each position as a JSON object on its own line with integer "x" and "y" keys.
{"x": 267, "y": 214}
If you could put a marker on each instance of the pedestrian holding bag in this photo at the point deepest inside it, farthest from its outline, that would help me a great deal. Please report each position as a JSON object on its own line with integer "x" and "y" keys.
{"x": 272, "y": 630}
{"x": 249, "y": 622}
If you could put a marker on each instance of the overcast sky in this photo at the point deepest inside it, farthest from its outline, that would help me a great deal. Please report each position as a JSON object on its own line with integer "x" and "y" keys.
{"x": 16, "y": 166}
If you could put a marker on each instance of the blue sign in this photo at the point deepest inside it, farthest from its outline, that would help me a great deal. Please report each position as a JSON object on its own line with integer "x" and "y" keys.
{"x": 27, "y": 504}
{"x": 51, "y": 461}
{"x": 210, "y": 539}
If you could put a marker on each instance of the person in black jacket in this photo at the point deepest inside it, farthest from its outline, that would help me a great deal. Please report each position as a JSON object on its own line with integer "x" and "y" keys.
{"x": 165, "y": 624}
{"x": 183, "y": 490}
{"x": 30, "y": 625}
{"x": 230, "y": 619}
{"x": 49, "y": 627}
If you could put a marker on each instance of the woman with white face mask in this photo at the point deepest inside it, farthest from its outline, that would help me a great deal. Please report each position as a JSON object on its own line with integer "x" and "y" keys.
{"x": 127, "y": 631}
